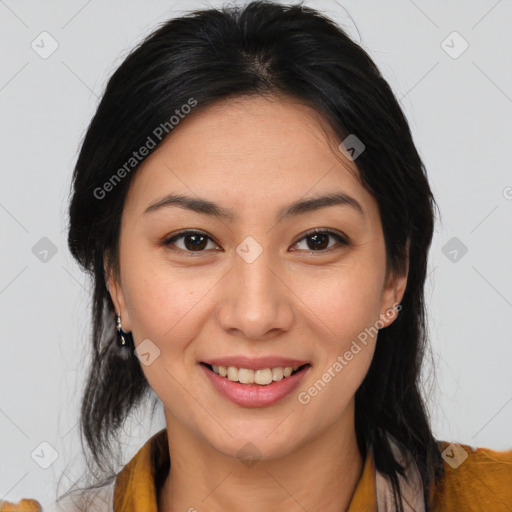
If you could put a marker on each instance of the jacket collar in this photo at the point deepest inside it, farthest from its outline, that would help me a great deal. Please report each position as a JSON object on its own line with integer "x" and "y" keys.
{"x": 137, "y": 485}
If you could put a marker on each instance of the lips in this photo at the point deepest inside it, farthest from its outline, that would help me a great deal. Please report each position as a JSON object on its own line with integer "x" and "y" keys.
{"x": 256, "y": 395}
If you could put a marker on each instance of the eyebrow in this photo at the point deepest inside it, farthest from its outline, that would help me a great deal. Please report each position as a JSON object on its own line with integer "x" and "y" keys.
{"x": 299, "y": 207}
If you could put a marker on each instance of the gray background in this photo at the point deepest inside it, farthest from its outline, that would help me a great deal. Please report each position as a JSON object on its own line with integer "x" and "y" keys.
{"x": 459, "y": 110}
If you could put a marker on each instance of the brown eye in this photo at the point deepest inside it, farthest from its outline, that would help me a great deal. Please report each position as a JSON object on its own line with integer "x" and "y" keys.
{"x": 193, "y": 241}
{"x": 318, "y": 240}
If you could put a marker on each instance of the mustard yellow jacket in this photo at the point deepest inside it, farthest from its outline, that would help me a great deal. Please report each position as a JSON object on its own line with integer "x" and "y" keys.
{"x": 477, "y": 480}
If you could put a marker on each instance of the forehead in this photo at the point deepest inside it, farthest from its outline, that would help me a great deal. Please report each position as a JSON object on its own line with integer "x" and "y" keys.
{"x": 250, "y": 153}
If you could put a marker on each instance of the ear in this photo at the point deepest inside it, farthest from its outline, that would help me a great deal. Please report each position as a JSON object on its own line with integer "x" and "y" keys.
{"x": 392, "y": 294}
{"x": 117, "y": 295}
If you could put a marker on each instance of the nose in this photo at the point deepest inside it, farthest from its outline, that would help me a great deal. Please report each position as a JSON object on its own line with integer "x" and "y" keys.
{"x": 256, "y": 302}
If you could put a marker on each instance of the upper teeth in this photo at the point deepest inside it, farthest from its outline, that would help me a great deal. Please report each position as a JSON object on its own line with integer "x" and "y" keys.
{"x": 248, "y": 376}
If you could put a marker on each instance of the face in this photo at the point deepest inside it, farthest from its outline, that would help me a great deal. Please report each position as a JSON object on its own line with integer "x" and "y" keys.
{"x": 196, "y": 287}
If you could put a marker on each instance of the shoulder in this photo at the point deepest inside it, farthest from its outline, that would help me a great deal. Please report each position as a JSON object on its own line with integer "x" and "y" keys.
{"x": 23, "y": 505}
{"x": 92, "y": 500}
{"x": 474, "y": 479}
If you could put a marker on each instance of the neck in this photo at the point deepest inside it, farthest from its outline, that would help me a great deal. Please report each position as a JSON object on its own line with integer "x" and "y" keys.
{"x": 319, "y": 475}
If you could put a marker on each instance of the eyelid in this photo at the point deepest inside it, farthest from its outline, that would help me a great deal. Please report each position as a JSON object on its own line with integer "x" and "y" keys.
{"x": 167, "y": 241}
{"x": 341, "y": 238}
{"x": 327, "y": 231}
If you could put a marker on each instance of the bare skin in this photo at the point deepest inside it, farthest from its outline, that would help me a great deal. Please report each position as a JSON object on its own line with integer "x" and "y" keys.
{"x": 254, "y": 156}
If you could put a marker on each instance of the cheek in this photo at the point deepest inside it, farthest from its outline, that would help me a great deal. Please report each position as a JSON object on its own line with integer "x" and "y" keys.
{"x": 343, "y": 360}
{"x": 346, "y": 300}
{"x": 343, "y": 306}
{"x": 164, "y": 308}
{"x": 161, "y": 301}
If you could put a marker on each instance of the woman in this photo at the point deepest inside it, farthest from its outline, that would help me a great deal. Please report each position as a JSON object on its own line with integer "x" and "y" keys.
{"x": 255, "y": 216}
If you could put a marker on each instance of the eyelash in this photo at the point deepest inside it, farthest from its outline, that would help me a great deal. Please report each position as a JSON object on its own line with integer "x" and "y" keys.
{"x": 341, "y": 239}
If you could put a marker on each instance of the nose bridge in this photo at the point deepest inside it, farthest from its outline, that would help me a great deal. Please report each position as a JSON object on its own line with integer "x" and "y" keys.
{"x": 252, "y": 271}
{"x": 253, "y": 302}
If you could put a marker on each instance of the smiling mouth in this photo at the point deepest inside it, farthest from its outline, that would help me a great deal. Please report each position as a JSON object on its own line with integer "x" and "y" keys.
{"x": 262, "y": 377}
